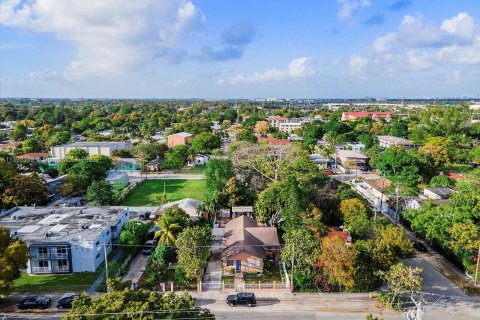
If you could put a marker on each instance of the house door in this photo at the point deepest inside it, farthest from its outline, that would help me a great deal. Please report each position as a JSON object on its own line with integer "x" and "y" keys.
{"x": 239, "y": 265}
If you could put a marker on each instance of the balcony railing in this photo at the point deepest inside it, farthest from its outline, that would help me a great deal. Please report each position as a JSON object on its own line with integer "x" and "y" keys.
{"x": 41, "y": 255}
{"x": 59, "y": 256}
{"x": 50, "y": 270}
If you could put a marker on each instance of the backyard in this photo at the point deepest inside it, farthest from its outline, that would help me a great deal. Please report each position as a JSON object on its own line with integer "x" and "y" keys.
{"x": 149, "y": 191}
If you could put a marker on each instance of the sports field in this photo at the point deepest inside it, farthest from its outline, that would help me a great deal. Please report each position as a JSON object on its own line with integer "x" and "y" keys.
{"x": 147, "y": 193}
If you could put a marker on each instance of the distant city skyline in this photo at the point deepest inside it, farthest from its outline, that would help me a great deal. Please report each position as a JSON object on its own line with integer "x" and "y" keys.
{"x": 239, "y": 49}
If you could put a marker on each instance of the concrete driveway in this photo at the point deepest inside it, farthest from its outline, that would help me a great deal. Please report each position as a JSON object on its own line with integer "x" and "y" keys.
{"x": 137, "y": 267}
{"x": 213, "y": 274}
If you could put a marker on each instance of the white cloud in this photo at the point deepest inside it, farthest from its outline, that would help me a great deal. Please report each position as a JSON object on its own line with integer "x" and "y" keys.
{"x": 43, "y": 74}
{"x": 358, "y": 63}
{"x": 418, "y": 45}
{"x": 111, "y": 36}
{"x": 384, "y": 43}
{"x": 300, "y": 68}
{"x": 462, "y": 25}
{"x": 467, "y": 55}
{"x": 348, "y": 8}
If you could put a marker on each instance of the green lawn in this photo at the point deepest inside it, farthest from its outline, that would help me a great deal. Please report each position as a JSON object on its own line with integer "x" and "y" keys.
{"x": 176, "y": 189}
{"x": 76, "y": 282}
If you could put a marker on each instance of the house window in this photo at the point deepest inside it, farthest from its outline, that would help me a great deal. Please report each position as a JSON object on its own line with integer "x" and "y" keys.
{"x": 63, "y": 263}
{"x": 98, "y": 256}
{"x": 108, "y": 232}
{"x": 62, "y": 250}
{"x": 257, "y": 263}
{"x": 98, "y": 242}
{"x": 229, "y": 263}
{"x": 250, "y": 262}
{"x": 43, "y": 263}
{"x": 43, "y": 250}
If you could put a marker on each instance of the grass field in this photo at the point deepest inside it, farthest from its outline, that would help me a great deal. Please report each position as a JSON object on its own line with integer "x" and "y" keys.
{"x": 76, "y": 282}
{"x": 176, "y": 189}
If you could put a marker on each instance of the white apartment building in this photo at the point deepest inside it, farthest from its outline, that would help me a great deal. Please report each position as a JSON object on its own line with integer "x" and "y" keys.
{"x": 66, "y": 240}
{"x": 392, "y": 141}
{"x": 93, "y": 148}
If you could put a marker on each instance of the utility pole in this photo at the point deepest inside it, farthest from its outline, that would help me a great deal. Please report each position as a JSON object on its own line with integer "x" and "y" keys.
{"x": 106, "y": 263}
{"x": 476, "y": 268}
{"x": 396, "y": 210}
{"x": 293, "y": 262}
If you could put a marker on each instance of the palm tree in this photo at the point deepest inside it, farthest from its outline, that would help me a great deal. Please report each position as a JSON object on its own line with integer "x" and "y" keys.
{"x": 168, "y": 231}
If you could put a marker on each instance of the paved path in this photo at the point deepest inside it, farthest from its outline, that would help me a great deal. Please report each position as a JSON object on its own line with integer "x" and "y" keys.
{"x": 101, "y": 277}
{"x": 213, "y": 273}
{"x": 137, "y": 267}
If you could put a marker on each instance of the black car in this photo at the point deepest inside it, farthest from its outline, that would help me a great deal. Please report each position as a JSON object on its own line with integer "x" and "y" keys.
{"x": 419, "y": 246}
{"x": 242, "y": 298}
{"x": 66, "y": 300}
{"x": 35, "y": 302}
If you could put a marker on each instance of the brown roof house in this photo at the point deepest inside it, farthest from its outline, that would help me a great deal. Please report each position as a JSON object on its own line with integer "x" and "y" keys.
{"x": 246, "y": 245}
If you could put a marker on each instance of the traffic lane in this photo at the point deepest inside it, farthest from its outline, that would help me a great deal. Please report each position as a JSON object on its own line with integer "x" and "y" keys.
{"x": 433, "y": 281}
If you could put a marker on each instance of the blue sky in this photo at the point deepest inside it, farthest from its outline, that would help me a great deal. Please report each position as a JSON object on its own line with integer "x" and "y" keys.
{"x": 239, "y": 49}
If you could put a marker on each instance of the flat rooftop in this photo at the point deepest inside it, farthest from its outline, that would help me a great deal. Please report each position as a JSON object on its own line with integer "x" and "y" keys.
{"x": 80, "y": 144}
{"x": 396, "y": 140}
{"x": 33, "y": 224}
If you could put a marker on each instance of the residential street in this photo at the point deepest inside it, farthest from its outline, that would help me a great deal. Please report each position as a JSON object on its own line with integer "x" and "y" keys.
{"x": 312, "y": 306}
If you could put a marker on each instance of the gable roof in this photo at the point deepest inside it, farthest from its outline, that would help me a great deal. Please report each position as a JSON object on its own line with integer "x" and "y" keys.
{"x": 243, "y": 234}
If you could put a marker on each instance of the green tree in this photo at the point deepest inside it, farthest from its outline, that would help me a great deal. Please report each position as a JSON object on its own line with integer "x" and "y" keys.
{"x": 205, "y": 142}
{"x": 217, "y": 173}
{"x": 356, "y": 216}
{"x": 75, "y": 185}
{"x": 178, "y": 216}
{"x": 134, "y": 232}
{"x": 438, "y": 150}
{"x": 441, "y": 181}
{"x": 193, "y": 251}
{"x": 311, "y": 132}
{"x": 338, "y": 262}
{"x": 443, "y": 122}
{"x": 77, "y": 154}
{"x": 304, "y": 247}
{"x": 247, "y": 134}
{"x": 19, "y": 132}
{"x": 25, "y": 190}
{"x": 389, "y": 245}
{"x": 401, "y": 278}
{"x": 168, "y": 231}
{"x": 13, "y": 257}
{"x": 400, "y": 166}
{"x": 31, "y": 145}
{"x": 149, "y": 151}
{"x": 140, "y": 304}
{"x": 177, "y": 157}
{"x": 100, "y": 192}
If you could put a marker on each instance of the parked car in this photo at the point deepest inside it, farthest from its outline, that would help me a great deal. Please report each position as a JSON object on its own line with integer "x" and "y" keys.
{"x": 329, "y": 172}
{"x": 242, "y": 298}
{"x": 66, "y": 300}
{"x": 419, "y": 246}
{"x": 35, "y": 302}
{"x": 149, "y": 246}
{"x": 365, "y": 168}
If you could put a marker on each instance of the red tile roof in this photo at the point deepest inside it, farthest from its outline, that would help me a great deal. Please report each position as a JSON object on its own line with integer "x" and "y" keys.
{"x": 273, "y": 140}
{"x": 367, "y": 113}
{"x": 33, "y": 155}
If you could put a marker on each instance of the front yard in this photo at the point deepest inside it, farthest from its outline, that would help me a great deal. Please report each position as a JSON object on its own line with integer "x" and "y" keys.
{"x": 76, "y": 282}
{"x": 149, "y": 191}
